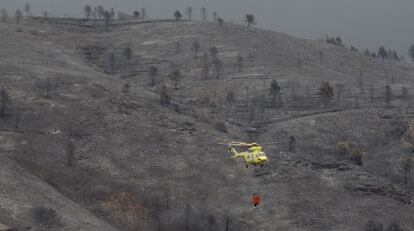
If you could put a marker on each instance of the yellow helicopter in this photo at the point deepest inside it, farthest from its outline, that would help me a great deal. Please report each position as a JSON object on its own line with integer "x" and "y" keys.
{"x": 253, "y": 156}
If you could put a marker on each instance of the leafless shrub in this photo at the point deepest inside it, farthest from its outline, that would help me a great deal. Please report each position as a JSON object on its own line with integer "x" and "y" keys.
{"x": 221, "y": 127}
{"x": 164, "y": 94}
{"x": 356, "y": 156}
{"x": 46, "y": 218}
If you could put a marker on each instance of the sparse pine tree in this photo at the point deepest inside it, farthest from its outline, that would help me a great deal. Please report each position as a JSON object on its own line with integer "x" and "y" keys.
{"x": 250, "y": 19}
{"x": 382, "y": 53}
{"x": 87, "y": 10}
{"x": 196, "y": 47}
{"x": 189, "y": 12}
{"x": 136, "y": 14}
{"x": 326, "y": 93}
{"x": 177, "y": 15}
{"x": 4, "y": 15}
{"x": 240, "y": 60}
{"x": 18, "y": 15}
{"x": 203, "y": 14}
{"x": 275, "y": 92}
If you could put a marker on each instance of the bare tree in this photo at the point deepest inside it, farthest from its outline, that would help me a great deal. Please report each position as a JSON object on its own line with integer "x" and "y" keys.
{"x": 48, "y": 87}
{"x": 153, "y": 72}
{"x": 94, "y": 14}
{"x": 177, "y": 15}
{"x": 326, "y": 93}
{"x": 100, "y": 10}
{"x": 275, "y": 92}
{"x": 87, "y": 10}
{"x": 388, "y": 95}
{"x": 189, "y": 12}
{"x": 177, "y": 47}
{"x": 46, "y": 218}
{"x": 18, "y": 15}
{"x": 164, "y": 94}
{"x": 107, "y": 18}
{"x": 143, "y": 13}
{"x": 372, "y": 94}
{"x": 213, "y": 53}
{"x": 28, "y": 10}
{"x": 126, "y": 88}
{"x": 411, "y": 52}
{"x": 112, "y": 11}
{"x": 321, "y": 56}
{"x": 404, "y": 92}
{"x": 407, "y": 166}
{"x": 4, "y": 15}
{"x": 205, "y": 66}
{"x": 218, "y": 64}
{"x": 203, "y": 14}
{"x": 230, "y": 97}
{"x": 220, "y": 21}
{"x": 215, "y": 16}
{"x": 175, "y": 76}
{"x": 196, "y": 47}
{"x": 339, "y": 91}
{"x": 240, "y": 60}
{"x": 17, "y": 116}
{"x": 70, "y": 153}
{"x": 45, "y": 15}
{"x": 371, "y": 226}
{"x": 292, "y": 144}
{"x": 187, "y": 217}
{"x": 250, "y": 19}
{"x": 4, "y": 102}
{"x": 211, "y": 221}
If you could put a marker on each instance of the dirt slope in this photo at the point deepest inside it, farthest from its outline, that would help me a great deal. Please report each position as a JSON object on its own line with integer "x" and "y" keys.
{"x": 141, "y": 165}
